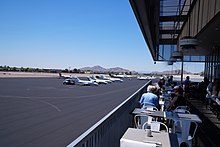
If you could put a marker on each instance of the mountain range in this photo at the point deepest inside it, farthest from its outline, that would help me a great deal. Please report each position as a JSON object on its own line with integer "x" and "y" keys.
{"x": 100, "y": 69}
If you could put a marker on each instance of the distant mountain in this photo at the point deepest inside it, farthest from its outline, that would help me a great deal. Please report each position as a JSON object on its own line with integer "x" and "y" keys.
{"x": 118, "y": 69}
{"x": 100, "y": 69}
{"x": 94, "y": 69}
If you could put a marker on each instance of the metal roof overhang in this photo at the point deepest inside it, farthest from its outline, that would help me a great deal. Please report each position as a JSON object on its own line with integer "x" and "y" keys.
{"x": 161, "y": 23}
{"x": 147, "y": 15}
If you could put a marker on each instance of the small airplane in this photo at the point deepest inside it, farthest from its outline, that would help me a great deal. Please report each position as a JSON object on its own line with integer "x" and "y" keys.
{"x": 117, "y": 76}
{"x": 84, "y": 82}
{"x": 99, "y": 81}
{"x": 111, "y": 78}
{"x": 152, "y": 77}
{"x": 143, "y": 77}
{"x": 146, "y": 77}
{"x": 120, "y": 76}
{"x": 99, "y": 78}
{"x": 64, "y": 76}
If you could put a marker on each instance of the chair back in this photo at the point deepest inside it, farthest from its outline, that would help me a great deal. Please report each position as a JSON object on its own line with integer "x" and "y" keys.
{"x": 183, "y": 107}
{"x": 181, "y": 111}
{"x": 140, "y": 119}
{"x": 155, "y": 126}
{"x": 192, "y": 132}
{"x": 149, "y": 106}
{"x": 193, "y": 128}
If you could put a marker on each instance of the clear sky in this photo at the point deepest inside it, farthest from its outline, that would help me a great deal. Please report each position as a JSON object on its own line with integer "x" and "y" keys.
{"x": 74, "y": 34}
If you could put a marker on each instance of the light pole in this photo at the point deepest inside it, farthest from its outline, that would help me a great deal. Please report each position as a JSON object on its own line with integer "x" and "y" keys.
{"x": 179, "y": 55}
{"x": 182, "y": 71}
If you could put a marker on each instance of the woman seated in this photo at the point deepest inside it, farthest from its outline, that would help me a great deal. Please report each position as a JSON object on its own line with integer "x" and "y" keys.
{"x": 177, "y": 98}
{"x": 150, "y": 98}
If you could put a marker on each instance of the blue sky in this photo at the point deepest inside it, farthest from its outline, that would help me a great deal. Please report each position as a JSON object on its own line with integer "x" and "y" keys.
{"x": 75, "y": 34}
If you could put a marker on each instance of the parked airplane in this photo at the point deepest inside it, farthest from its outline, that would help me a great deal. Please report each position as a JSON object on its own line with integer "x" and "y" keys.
{"x": 99, "y": 81}
{"x": 152, "y": 77}
{"x": 120, "y": 76}
{"x": 146, "y": 77}
{"x": 117, "y": 76}
{"x": 84, "y": 82}
{"x": 143, "y": 77}
{"x": 111, "y": 78}
{"x": 99, "y": 78}
{"x": 64, "y": 76}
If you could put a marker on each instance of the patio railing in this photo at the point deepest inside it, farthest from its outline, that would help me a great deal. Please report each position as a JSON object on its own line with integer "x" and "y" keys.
{"x": 108, "y": 131}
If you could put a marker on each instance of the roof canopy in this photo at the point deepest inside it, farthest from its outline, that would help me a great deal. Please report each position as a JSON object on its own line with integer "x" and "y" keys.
{"x": 162, "y": 24}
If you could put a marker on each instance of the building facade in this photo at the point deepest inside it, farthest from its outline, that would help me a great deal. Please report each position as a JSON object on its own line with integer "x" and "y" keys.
{"x": 182, "y": 31}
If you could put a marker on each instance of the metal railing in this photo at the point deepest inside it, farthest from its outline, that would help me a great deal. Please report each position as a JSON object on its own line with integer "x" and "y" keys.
{"x": 108, "y": 131}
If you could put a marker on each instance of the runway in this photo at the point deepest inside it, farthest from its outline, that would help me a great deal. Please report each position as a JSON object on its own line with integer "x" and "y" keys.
{"x": 42, "y": 112}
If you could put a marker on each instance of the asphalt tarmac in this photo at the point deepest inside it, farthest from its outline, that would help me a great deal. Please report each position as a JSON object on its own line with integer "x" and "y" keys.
{"x": 42, "y": 112}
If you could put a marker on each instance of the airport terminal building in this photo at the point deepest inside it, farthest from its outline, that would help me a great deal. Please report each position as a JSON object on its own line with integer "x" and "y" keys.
{"x": 181, "y": 31}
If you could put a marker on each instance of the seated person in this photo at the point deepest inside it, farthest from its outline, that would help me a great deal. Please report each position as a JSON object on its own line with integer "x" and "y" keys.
{"x": 150, "y": 97}
{"x": 213, "y": 88}
{"x": 160, "y": 88}
{"x": 177, "y": 98}
{"x": 170, "y": 80}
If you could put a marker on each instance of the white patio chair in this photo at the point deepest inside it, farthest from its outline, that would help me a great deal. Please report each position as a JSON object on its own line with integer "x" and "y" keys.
{"x": 181, "y": 111}
{"x": 140, "y": 119}
{"x": 176, "y": 124}
{"x": 183, "y": 107}
{"x": 155, "y": 126}
{"x": 192, "y": 132}
{"x": 149, "y": 106}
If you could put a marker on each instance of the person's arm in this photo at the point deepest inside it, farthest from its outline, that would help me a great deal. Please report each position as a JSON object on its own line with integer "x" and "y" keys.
{"x": 141, "y": 100}
{"x": 156, "y": 102}
{"x": 174, "y": 101}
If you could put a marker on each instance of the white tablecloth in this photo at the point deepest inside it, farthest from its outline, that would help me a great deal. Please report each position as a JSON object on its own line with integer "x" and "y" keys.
{"x": 138, "y": 138}
{"x": 132, "y": 143}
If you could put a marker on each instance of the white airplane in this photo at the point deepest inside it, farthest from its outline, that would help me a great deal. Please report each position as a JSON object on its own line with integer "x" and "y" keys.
{"x": 117, "y": 76}
{"x": 99, "y": 78}
{"x": 64, "y": 76}
{"x": 120, "y": 76}
{"x": 111, "y": 78}
{"x": 99, "y": 81}
{"x": 143, "y": 77}
{"x": 84, "y": 82}
{"x": 146, "y": 77}
{"x": 152, "y": 77}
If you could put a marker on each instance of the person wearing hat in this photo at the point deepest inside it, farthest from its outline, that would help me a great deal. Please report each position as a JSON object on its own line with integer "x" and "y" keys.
{"x": 178, "y": 99}
{"x": 150, "y": 97}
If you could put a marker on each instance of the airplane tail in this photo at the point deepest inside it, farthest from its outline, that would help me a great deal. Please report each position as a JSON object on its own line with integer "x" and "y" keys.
{"x": 110, "y": 75}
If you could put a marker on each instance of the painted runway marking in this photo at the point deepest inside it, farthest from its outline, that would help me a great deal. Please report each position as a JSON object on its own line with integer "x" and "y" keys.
{"x": 55, "y": 107}
{"x": 36, "y": 100}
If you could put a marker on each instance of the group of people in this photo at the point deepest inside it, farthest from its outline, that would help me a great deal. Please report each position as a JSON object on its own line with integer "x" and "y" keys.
{"x": 213, "y": 88}
{"x": 153, "y": 95}
{"x": 209, "y": 89}
{"x": 179, "y": 93}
